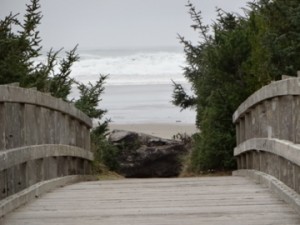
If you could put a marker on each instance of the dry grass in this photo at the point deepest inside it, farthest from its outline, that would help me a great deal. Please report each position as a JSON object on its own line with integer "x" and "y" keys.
{"x": 103, "y": 173}
{"x": 109, "y": 175}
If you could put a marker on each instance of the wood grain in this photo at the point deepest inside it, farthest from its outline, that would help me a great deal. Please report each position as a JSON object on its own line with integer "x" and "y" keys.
{"x": 180, "y": 201}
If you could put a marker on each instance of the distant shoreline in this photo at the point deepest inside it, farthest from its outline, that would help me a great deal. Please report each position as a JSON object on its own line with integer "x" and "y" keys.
{"x": 163, "y": 130}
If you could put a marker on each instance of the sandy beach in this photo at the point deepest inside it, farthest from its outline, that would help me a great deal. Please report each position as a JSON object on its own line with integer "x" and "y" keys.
{"x": 157, "y": 129}
{"x": 147, "y": 109}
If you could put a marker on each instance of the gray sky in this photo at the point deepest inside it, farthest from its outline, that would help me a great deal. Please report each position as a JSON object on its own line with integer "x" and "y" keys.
{"x": 118, "y": 23}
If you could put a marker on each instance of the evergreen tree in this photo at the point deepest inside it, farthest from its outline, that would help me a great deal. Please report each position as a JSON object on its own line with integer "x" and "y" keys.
{"x": 235, "y": 57}
{"x": 19, "y": 49}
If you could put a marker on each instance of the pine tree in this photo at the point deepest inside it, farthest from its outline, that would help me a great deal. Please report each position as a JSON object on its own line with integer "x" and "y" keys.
{"x": 233, "y": 58}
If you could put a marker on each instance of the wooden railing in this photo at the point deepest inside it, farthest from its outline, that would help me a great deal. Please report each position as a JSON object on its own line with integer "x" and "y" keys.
{"x": 44, "y": 143}
{"x": 268, "y": 136}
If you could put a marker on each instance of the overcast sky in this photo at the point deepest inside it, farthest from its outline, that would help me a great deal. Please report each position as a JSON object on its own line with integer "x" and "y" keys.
{"x": 118, "y": 23}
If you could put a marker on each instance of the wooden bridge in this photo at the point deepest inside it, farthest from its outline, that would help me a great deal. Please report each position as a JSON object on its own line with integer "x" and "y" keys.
{"x": 44, "y": 145}
{"x": 192, "y": 201}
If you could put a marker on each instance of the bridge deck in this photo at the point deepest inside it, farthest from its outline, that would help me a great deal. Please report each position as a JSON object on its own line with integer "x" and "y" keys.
{"x": 209, "y": 200}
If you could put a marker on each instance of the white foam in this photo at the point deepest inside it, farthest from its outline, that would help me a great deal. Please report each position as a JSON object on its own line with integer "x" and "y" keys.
{"x": 134, "y": 68}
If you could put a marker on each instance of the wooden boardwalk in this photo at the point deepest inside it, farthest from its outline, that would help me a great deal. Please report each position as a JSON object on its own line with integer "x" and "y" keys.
{"x": 190, "y": 201}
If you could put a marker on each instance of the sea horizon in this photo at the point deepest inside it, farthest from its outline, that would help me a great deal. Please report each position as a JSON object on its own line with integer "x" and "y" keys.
{"x": 139, "y": 84}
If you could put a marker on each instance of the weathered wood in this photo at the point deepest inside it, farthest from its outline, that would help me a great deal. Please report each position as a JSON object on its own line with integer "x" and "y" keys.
{"x": 37, "y": 141}
{"x": 269, "y": 142}
{"x": 206, "y": 201}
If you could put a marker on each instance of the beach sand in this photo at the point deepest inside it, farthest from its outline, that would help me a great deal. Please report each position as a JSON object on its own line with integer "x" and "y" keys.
{"x": 157, "y": 129}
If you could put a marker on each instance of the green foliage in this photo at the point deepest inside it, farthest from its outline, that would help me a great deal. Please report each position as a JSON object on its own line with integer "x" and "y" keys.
{"x": 16, "y": 49}
{"x": 181, "y": 98}
{"x": 104, "y": 152}
{"x": 19, "y": 49}
{"x": 234, "y": 57}
{"x": 88, "y": 102}
{"x": 90, "y": 97}
{"x": 61, "y": 83}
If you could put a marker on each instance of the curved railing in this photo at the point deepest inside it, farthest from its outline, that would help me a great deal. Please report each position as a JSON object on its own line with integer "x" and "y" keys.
{"x": 44, "y": 143}
{"x": 268, "y": 135}
{"x": 278, "y": 158}
{"x": 271, "y": 112}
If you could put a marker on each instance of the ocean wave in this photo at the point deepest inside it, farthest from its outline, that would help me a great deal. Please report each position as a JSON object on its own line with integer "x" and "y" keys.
{"x": 133, "y": 68}
{"x": 130, "y": 67}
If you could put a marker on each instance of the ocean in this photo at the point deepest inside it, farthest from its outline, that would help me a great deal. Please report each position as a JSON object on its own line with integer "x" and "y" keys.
{"x": 139, "y": 85}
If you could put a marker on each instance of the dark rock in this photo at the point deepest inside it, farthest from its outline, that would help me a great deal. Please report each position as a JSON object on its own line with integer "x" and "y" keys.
{"x": 144, "y": 155}
{"x": 118, "y": 136}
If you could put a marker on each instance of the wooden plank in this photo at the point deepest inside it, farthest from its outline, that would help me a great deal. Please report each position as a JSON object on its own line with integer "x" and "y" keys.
{"x": 207, "y": 201}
